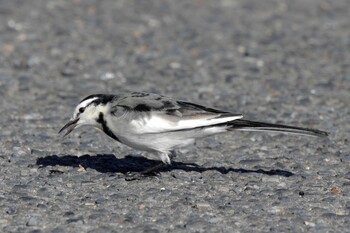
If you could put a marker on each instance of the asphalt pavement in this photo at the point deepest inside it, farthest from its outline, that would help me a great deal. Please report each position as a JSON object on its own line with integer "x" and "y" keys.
{"x": 279, "y": 61}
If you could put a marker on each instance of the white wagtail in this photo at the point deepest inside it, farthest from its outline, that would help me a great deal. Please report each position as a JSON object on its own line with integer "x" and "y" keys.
{"x": 159, "y": 124}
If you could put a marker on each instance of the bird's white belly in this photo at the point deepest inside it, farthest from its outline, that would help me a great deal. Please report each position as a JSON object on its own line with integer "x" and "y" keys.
{"x": 155, "y": 142}
{"x": 134, "y": 135}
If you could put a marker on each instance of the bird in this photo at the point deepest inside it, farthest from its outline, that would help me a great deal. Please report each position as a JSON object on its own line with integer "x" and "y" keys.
{"x": 159, "y": 124}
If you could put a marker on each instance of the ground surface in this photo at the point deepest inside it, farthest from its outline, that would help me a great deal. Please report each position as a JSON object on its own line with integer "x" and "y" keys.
{"x": 275, "y": 60}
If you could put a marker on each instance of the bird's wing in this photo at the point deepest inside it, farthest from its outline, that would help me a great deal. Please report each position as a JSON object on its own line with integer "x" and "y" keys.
{"x": 152, "y": 113}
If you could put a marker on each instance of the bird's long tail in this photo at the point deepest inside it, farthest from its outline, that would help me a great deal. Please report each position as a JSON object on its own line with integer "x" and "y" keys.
{"x": 245, "y": 125}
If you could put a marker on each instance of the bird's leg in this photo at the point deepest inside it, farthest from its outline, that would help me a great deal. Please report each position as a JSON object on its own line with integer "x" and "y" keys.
{"x": 147, "y": 172}
{"x": 166, "y": 160}
{"x": 172, "y": 154}
{"x": 151, "y": 170}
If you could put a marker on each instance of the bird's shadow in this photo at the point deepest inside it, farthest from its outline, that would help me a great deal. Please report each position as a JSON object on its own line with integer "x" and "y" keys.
{"x": 108, "y": 163}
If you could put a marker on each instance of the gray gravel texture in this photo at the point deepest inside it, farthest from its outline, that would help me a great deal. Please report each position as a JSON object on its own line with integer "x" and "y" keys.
{"x": 275, "y": 60}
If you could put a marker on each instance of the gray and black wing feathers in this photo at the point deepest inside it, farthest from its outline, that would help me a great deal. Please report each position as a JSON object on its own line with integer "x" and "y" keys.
{"x": 166, "y": 114}
{"x": 152, "y": 113}
{"x": 148, "y": 102}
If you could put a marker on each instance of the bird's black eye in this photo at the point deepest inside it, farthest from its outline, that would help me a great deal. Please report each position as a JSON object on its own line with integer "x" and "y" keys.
{"x": 81, "y": 110}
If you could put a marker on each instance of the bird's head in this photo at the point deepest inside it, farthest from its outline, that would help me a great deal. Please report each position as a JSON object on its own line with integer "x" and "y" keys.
{"x": 88, "y": 112}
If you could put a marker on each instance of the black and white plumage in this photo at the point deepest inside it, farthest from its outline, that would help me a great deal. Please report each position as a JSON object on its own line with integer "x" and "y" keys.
{"x": 159, "y": 124}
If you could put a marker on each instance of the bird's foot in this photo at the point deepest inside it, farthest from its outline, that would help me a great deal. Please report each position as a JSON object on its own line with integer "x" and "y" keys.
{"x": 149, "y": 172}
{"x": 130, "y": 176}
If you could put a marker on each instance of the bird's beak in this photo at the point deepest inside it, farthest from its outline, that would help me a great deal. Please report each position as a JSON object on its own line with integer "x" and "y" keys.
{"x": 70, "y": 126}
